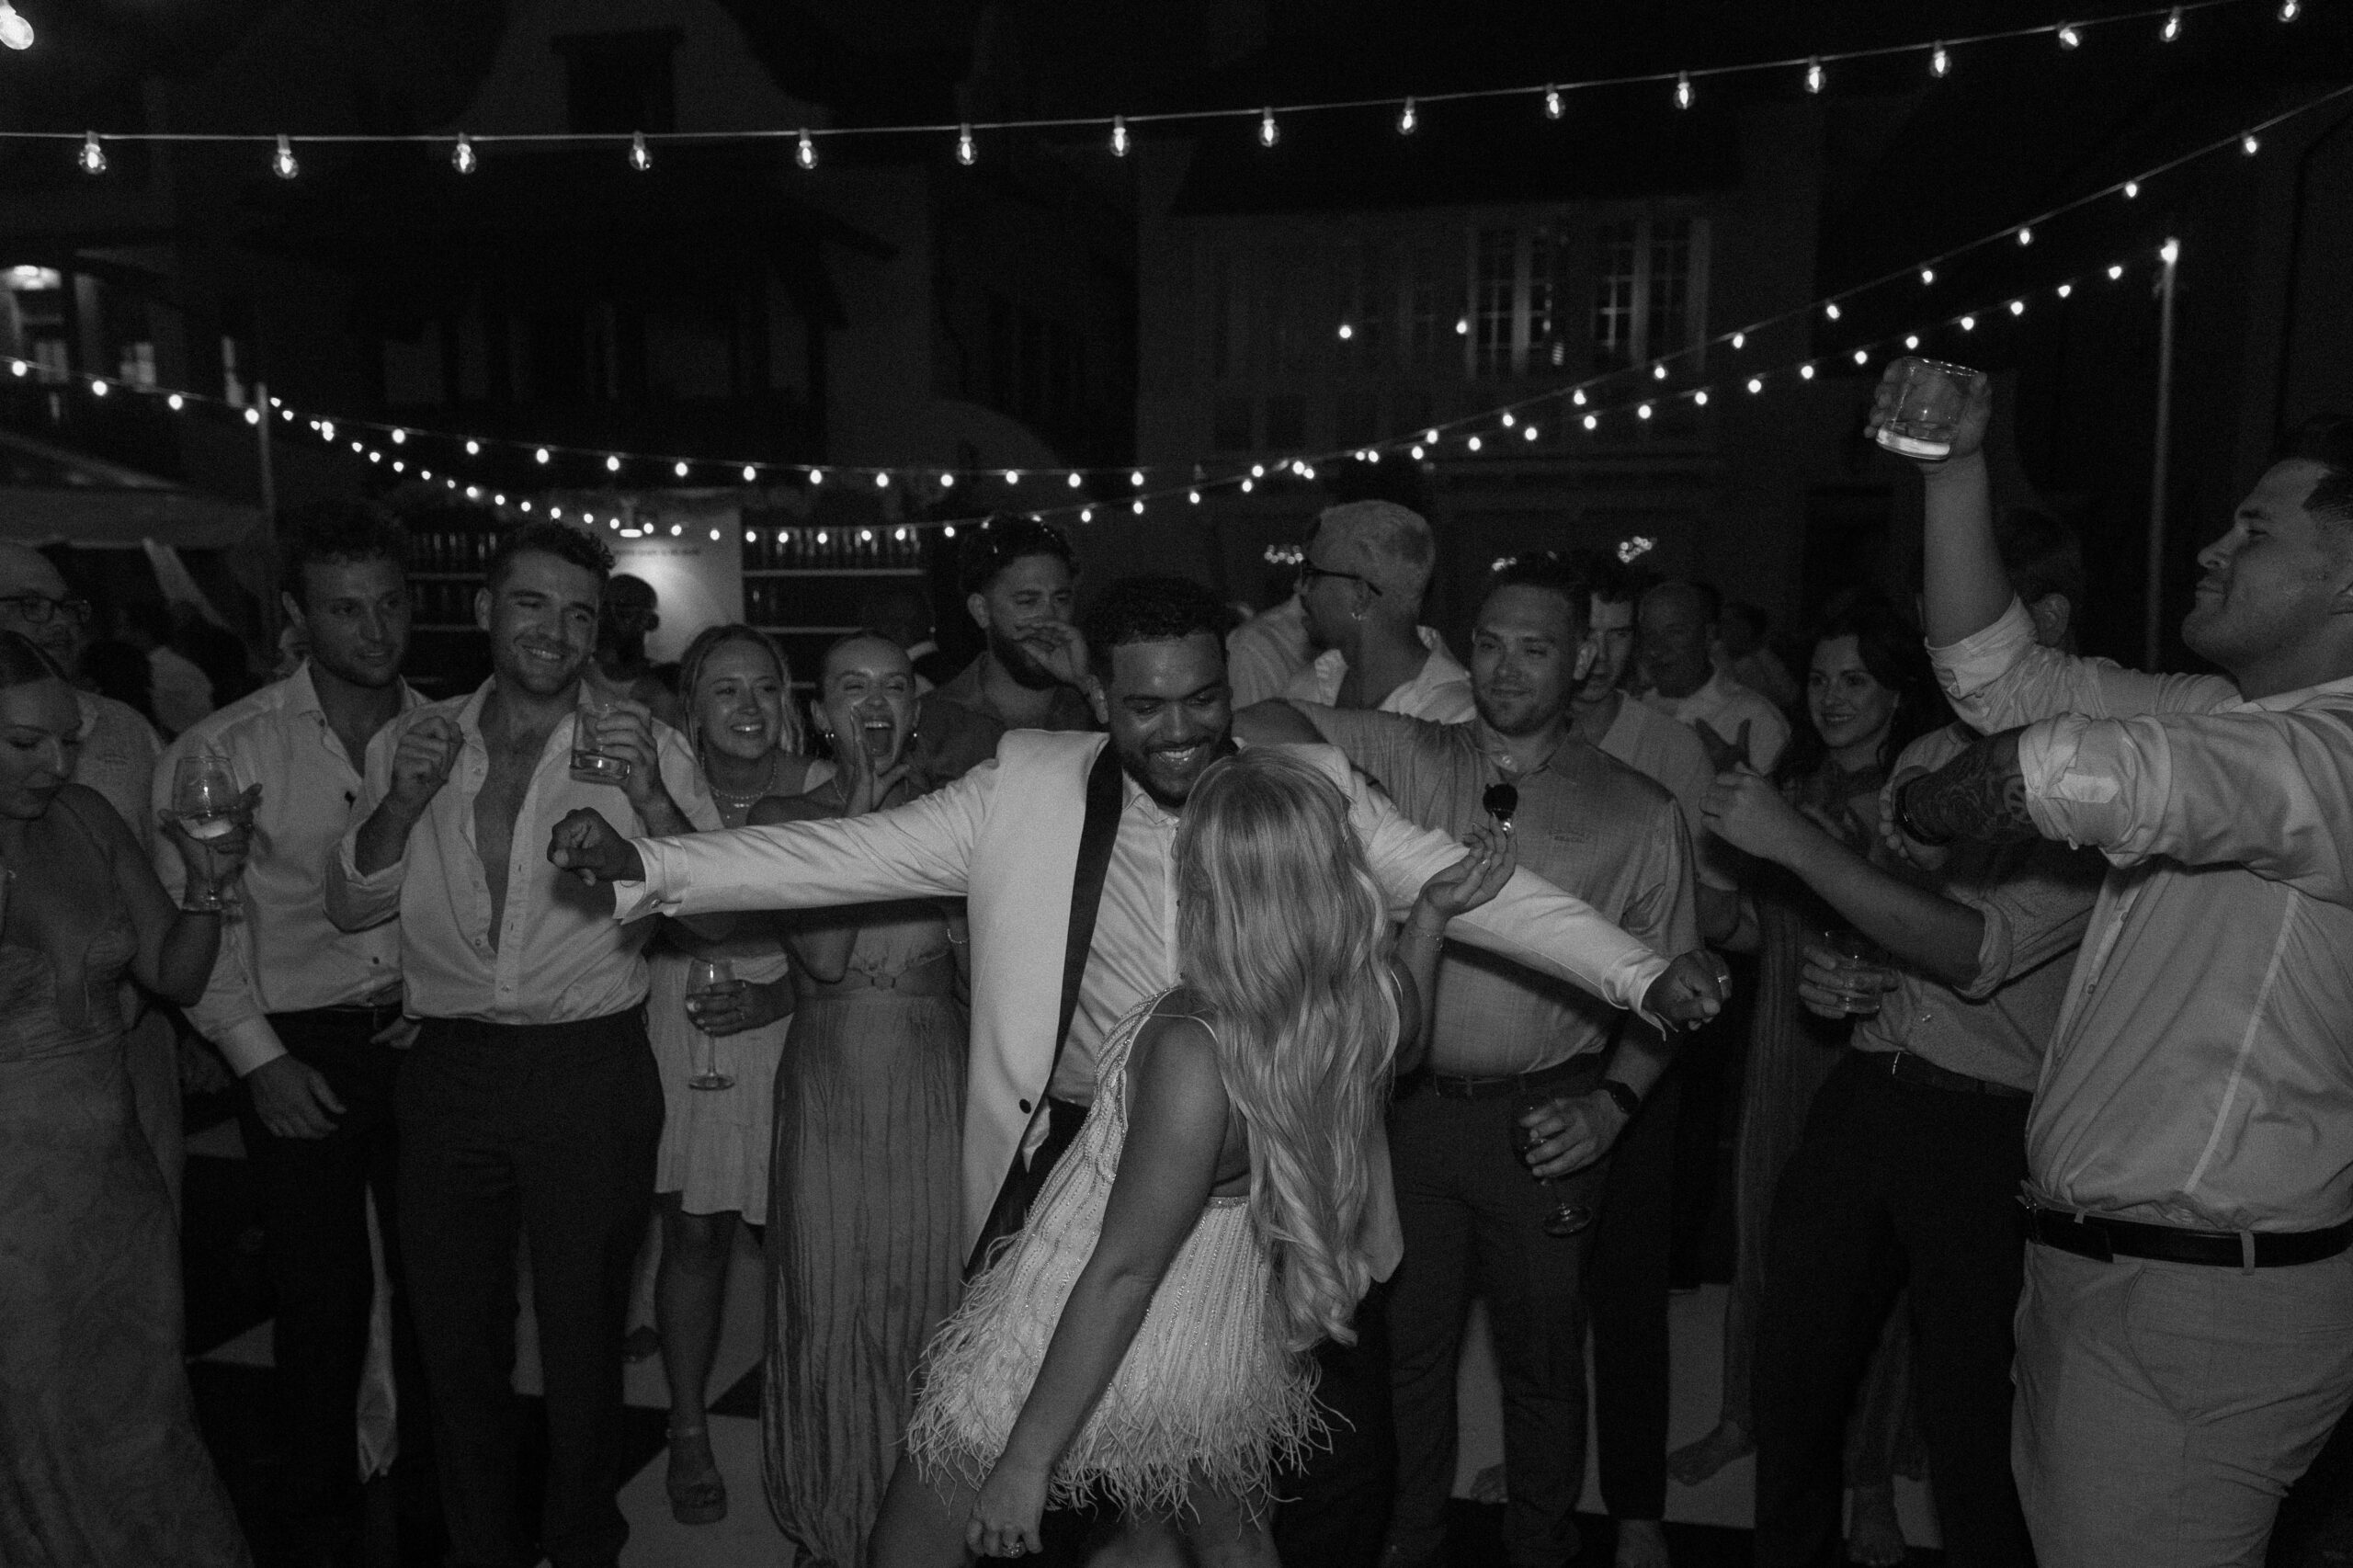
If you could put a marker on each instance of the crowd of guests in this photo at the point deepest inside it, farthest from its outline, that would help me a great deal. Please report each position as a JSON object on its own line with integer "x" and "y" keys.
{"x": 1135, "y": 1050}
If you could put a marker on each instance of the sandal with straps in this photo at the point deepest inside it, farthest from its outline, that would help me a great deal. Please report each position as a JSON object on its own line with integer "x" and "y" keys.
{"x": 702, "y": 1500}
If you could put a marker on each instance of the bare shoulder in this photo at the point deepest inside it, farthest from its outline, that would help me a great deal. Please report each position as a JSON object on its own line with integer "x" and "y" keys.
{"x": 1175, "y": 1050}
{"x": 96, "y": 817}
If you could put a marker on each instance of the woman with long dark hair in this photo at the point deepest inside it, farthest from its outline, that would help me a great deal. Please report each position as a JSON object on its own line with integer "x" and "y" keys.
{"x": 1144, "y": 1338}
{"x": 100, "y": 1462}
{"x": 1870, "y": 693}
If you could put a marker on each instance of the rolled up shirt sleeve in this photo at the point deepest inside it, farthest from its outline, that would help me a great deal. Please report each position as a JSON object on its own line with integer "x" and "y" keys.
{"x": 356, "y": 903}
{"x": 2035, "y": 910}
{"x": 2268, "y": 791}
{"x": 2000, "y": 678}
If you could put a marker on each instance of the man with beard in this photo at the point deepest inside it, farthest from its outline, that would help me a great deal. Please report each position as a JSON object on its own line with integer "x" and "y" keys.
{"x": 528, "y": 1108}
{"x": 307, "y": 1014}
{"x": 1007, "y": 836}
{"x": 2185, "y": 1342}
{"x": 1511, "y": 1052}
{"x": 1018, "y": 576}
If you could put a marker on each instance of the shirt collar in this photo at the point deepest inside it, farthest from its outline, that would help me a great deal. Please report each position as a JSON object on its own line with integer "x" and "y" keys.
{"x": 2281, "y": 702}
{"x": 1140, "y": 804}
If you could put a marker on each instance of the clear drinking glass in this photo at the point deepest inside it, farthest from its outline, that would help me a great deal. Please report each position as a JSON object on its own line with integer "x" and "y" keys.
{"x": 709, "y": 977}
{"x": 1861, "y": 962}
{"x": 590, "y": 766}
{"x": 1567, "y": 1216}
{"x": 1928, "y": 408}
{"x": 209, "y": 804}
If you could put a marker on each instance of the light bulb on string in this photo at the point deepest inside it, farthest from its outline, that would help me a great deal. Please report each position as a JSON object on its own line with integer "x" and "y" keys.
{"x": 473, "y": 448}
{"x": 1699, "y": 398}
{"x": 964, "y": 150}
{"x": 805, "y": 151}
{"x": 1862, "y": 356}
{"x": 1075, "y": 481}
{"x": 1683, "y": 89}
{"x": 1087, "y": 514}
{"x": 253, "y": 417}
{"x": 1578, "y": 397}
{"x": 461, "y": 156}
{"x": 1806, "y": 371}
{"x": 639, "y": 158}
{"x": 949, "y": 531}
{"x": 1911, "y": 342}
{"x": 2017, "y": 307}
{"x": 1940, "y": 62}
{"x": 1739, "y": 341}
{"x": 1267, "y": 131}
{"x": 93, "y": 157}
{"x": 1408, "y": 118}
{"x": 175, "y": 402}
{"x": 2172, "y": 30}
{"x": 2065, "y": 289}
{"x": 2068, "y": 37}
{"x": 1658, "y": 372}
{"x": 1529, "y": 434}
{"x": 1136, "y": 478}
{"x": 98, "y": 388}
{"x": 1968, "y": 323}
{"x": 1831, "y": 310}
{"x": 399, "y": 437}
{"x": 947, "y": 481}
{"x": 1813, "y": 75}
{"x": 2169, "y": 251}
{"x": 2290, "y": 9}
{"x": 1592, "y": 422}
{"x": 2249, "y": 144}
{"x": 1012, "y": 476}
{"x": 2114, "y": 273}
{"x": 1138, "y": 508}
{"x": 1193, "y": 497}
{"x": 1509, "y": 419}
{"x": 2026, "y": 235}
{"x": 613, "y": 465}
{"x": 1118, "y": 136}
{"x": 1415, "y": 451}
{"x": 1927, "y": 276}
{"x": 14, "y": 31}
{"x": 881, "y": 482}
{"x": 1552, "y": 103}
{"x": 1245, "y": 486}
{"x": 539, "y": 457}
{"x": 282, "y": 161}
{"x": 2131, "y": 189}
{"x": 816, "y": 476}
{"x": 1472, "y": 443}
{"x": 678, "y": 469}
{"x": 1643, "y": 411}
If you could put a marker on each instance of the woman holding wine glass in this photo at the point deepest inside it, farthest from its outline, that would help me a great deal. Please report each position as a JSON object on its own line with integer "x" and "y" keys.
{"x": 864, "y": 1227}
{"x": 717, "y": 1013}
{"x": 99, "y": 1455}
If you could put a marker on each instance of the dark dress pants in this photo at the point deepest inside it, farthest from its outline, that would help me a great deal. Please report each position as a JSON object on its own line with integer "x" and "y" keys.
{"x": 1335, "y": 1508}
{"x": 1626, "y": 1292}
{"x": 1892, "y": 1184}
{"x": 543, "y": 1134}
{"x": 313, "y": 1196}
{"x": 1473, "y": 1222}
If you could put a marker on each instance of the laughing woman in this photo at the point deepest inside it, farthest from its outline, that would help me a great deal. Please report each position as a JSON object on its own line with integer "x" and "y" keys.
{"x": 870, "y": 1109}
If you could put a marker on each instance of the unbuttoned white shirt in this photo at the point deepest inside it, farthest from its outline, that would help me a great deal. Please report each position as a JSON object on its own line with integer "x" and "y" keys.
{"x": 559, "y": 957}
{"x": 1440, "y": 692}
{"x": 279, "y": 953}
{"x": 1134, "y": 951}
{"x": 2201, "y": 1070}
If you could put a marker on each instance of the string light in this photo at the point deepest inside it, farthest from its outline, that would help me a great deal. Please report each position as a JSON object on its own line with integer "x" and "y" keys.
{"x": 948, "y": 481}
{"x": 1473, "y": 443}
{"x": 253, "y": 417}
{"x": 964, "y": 151}
{"x": 1699, "y": 398}
{"x": 881, "y": 482}
{"x": 639, "y": 158}
{"x": 14, "y": 31}
{"x": 1927, "y": 276}
{"x": 1578, "y": 397}
{"x": 1912, "y": 341}
{"x": 1012, "y": 476}
{"x": 1813, "y": 75}
{"x": 461, "y": 156}
{"x": 1968, "y": 323}
{"x": 93, "y": 157}
{"x": 1643, "y": 411}
{"x": 2025, "y": 236}
{"x": 541, "y": 456}
{"x": 2172, "y": 30}
{"x": 2170, "y": 252}
{"x": 678, "y": 469}
{"x": 1806, "y": 371}
{"x": 2131, "y": 189}
{"x": 2114, "y": 273}
{"x": 1346, "y": 331}
{"x": 98, "y": 388}
{"x": 1136, "y": 479}
{"x": 2249, "y": 143}
{"x": 1407, "y": 118}
{"x": 1940, "y": 62}
{"x": 401, "y": 435}
{"x": 1075, "y": 481}
{"x": 2068, "y": 37}
{"x": 175, "y": 402}
{"x": 282, "y": 163}
{"x": 2290, "y": 9}
{"x": 1739, "y": 340}
{"x": 1831, "y": 310}
{"x": 2064, "y": 289}
{"x": 1193, "y": 496}
{"x": 1267, "y": 132}
{"x": 817, "y": 476}
{"x": 1552, "y": 103}
{"x": 1592, "y": 422}
{"x": 613, "y": 465}
{"x": 2017, "y": 307}
{"x": 1683, "y": 89}
{"x": 1118, "y": 136}
{"x": 1509, "y": 419}
{"x": 805, "y": 153}
{"x": 1658, "y": 372}
{"x": 1862, "y": 357}
{"x": 473, "y": 448}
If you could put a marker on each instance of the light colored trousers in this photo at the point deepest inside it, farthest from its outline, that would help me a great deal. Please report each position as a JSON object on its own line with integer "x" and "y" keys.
{"x": 2163, "y": 1408}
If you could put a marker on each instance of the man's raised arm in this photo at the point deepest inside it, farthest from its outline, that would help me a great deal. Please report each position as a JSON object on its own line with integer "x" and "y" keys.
{"x": 921, "y": 849}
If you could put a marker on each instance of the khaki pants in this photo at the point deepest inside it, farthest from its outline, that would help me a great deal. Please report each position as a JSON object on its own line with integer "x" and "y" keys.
{"x": 2163, "y": 1408}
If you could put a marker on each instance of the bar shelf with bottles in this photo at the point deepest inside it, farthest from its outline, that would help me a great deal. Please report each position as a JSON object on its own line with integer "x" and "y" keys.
{"x": 446, "y": 566}
{"x": 802, "y": 580}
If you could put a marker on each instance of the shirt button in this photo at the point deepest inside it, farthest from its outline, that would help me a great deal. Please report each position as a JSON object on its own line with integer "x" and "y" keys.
{"x": 1025, "y": 1107}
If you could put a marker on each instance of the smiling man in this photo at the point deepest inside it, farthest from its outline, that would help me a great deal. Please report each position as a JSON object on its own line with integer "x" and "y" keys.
{"x": 2186, "y": 1340}
{"x": 528, "y": 1108}
{"x": 1007, "y": 835}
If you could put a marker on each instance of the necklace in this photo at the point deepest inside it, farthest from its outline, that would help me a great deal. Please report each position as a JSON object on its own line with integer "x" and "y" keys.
{"x": 744, "y": 802}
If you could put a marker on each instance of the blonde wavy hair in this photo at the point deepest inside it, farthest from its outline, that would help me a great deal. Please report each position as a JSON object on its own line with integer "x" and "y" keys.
{"x": 1283, "y": 935}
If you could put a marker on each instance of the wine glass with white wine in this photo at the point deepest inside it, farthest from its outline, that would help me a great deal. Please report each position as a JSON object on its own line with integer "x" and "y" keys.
{"x": 709, "y": 979}
{"x": 208, "y": 806}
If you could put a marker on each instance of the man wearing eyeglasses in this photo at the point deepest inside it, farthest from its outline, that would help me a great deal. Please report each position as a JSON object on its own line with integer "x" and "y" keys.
{"x": 117, "y": 759}
{"x": 1362, "y": 583}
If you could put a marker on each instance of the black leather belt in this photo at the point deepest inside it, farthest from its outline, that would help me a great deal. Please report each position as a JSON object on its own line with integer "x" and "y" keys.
{"x": 2105, "y": 1239}
{"x": 1511, "y": 1085}
{"x": 1906, "y": 1067}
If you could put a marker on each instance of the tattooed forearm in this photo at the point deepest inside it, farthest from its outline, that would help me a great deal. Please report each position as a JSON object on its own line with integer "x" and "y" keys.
{"x": 1979, "y": 794}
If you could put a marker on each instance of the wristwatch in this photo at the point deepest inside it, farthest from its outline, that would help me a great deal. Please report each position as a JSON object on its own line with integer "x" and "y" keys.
{"x": 1910, "y": 828}
{"x": 1622, "y": 1096}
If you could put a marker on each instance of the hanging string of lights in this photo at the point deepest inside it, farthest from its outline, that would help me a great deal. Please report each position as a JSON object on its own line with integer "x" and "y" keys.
{"x": 2168, "y": 23}
{"x": 412, "y": 452}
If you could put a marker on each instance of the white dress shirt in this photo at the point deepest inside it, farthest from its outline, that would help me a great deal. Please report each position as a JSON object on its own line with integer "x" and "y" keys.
{"x": 1266, "y": 650}
{"x": 279, "y": 953}
{"x": 1724, "y": 704}
{"x": 559, "y": 957}
{"x": 2202, "y": 1071}
{"x": 1440, "y": 692}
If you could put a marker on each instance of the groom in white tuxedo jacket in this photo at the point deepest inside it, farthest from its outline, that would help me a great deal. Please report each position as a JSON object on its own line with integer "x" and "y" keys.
{"x": 1005, "y": 837}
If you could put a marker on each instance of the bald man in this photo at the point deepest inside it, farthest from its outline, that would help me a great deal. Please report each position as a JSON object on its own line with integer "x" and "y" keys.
{"x": 1361, "y": 585}
{"x": 118, "y": 760}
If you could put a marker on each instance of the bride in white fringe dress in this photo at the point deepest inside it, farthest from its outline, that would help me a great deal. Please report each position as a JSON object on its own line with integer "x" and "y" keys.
{"x": 1145, "y": 1339}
